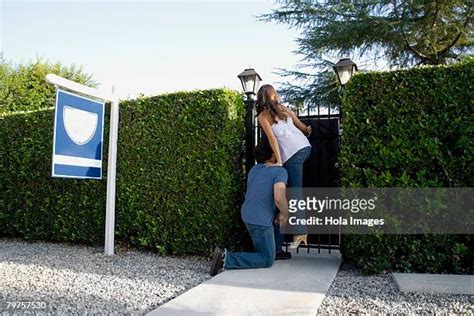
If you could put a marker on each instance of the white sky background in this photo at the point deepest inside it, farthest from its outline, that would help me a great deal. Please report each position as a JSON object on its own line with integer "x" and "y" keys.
{"x": 150, "y": 47}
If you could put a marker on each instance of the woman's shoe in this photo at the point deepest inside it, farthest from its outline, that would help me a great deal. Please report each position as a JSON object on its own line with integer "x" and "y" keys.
{"x": 298, "y": 240}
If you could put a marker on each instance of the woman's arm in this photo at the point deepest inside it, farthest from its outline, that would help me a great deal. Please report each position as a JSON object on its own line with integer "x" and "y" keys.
{"x": 265, "y": 124}
{"x": 305, "y": 129}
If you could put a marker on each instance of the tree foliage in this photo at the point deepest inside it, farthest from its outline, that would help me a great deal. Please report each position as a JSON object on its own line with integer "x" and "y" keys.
{"x": 23, "y": 87}
{"x": 397, "y": 32}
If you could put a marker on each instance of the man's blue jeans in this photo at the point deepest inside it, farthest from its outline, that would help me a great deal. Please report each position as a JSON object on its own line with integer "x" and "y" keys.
{"x": 294, "y": 167}
{"x": 264, "y": 243}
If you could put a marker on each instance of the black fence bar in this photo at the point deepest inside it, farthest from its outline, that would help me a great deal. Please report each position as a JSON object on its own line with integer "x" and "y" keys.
{"x": 249, "y": 132}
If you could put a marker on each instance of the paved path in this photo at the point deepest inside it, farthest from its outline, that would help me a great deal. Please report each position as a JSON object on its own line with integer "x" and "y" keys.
{"x": 435, "y": 283}
{"x": 290, "y": 287}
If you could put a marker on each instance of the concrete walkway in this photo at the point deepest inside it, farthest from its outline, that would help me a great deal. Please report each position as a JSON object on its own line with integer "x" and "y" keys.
{"x": 291, "y": 287}
{"x": 435, "y": 283}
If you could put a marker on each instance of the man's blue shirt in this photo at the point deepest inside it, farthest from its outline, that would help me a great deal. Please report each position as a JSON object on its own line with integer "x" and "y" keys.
{"x": 259, "y": 206}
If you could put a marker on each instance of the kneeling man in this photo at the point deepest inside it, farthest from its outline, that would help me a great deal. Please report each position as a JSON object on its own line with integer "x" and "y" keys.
{"x": 266, "y": 187}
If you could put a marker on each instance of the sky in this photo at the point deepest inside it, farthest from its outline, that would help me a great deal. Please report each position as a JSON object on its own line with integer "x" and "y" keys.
{"x": 150, "y": 47}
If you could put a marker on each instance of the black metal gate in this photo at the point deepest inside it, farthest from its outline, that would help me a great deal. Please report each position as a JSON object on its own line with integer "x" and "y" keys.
{"x": 321, "y": 169}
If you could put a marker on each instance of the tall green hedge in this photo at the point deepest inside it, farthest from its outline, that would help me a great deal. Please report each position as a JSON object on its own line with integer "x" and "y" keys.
{"x": 32, "y": 204}
{"x": 179, "y": 176}
{"x": 180, "y": 171}
{"x": 409, "y": 128}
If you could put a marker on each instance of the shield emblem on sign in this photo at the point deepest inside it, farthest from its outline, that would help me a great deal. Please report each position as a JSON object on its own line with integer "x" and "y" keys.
{"x": 80, "y": 125}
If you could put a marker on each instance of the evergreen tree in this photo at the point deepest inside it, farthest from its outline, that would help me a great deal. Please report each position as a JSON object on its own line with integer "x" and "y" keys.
{"x": 398, "y": 33}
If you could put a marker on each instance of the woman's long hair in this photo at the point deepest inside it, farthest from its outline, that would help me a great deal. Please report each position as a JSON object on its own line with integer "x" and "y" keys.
{"x": 267, "y": 99}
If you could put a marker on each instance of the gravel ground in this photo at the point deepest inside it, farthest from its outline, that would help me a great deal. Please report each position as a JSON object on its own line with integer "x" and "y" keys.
{"x": 74, "y": 279}
{"x": 81, "y": 279}
{"x": 354, "y": 293}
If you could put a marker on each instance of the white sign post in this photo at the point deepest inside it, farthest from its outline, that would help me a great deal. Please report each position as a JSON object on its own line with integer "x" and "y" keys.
{"x": 111, "y": 169}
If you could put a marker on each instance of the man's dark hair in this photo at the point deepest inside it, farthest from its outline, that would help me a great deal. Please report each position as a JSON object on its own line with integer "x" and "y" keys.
{"x": 263, "y": 151}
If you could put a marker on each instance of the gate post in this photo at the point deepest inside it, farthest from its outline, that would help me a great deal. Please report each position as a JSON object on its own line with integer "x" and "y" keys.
{"x": 249, "y": 132}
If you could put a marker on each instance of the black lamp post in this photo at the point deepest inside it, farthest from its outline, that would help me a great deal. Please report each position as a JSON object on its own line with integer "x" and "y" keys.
{"x": 344, "y": 70}
{"x": 250, "y": 80}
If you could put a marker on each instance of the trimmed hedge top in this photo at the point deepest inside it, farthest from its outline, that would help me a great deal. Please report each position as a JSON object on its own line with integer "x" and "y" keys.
{"x": 409, "y": 128}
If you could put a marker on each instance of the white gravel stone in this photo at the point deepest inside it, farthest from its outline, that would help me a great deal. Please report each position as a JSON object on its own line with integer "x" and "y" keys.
{"x": 76, "y": 279}
{"x": 353, "y": 292}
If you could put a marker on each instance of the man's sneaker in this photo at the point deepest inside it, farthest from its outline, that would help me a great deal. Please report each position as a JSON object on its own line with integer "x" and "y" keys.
{"x": 282, "y": 255}
{"x": 217, "y": 261}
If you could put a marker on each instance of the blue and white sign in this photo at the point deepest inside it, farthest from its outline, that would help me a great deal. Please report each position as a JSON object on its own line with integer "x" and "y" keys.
{"x": 78, "y": 137}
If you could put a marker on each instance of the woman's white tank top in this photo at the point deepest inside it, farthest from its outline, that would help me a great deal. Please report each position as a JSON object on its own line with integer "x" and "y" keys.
{"x": 290, "y": 138}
